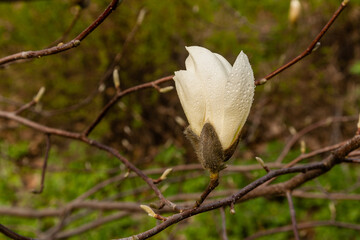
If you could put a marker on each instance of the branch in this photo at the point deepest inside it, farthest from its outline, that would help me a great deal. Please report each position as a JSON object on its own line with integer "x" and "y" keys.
{"x": 223, "y": 224}
{"x": 80, "y": 137}
{"x": 13, "y": 235}
{"x": 309, "y": 49}
{"x": 66, "y": 46}
{"x": 304, "y": 225}
{"x": 331, "y": 196}
{"x": 120, "y": 95}
{"x": 309, "y": 171}
{"x": 322, "y": 123}
{"x": 293, "y": 215}
{"x": 89, "y": 226}
{"x": 48, "y": 146}
{"x": 55, "y": 212}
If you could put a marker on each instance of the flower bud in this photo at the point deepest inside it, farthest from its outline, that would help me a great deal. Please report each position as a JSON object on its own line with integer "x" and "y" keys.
{"x": 216, "y": 98}
{"x": 294, "y": 11}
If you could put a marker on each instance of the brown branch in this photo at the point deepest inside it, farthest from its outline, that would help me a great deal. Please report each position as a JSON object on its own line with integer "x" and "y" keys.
{"x": 309, "y": 49}
{"x": 25, "y": 106}
{"x": 90, "y": 226}
{"x": 352, "y": 160}
{"x": 331, "y": 196}
{"x": 120, "y": 95}
{"x": 11, "y": 234}
{"x": 309, "y": 171}
{"x": 39, "y": 127}
{"x": 129, "y": 165}
{"x": 313, "y": 153}
{"x": 80, "y": 137}
{"x": 308, "y": 155}
{"x": 223, "y": 224}
{"x": 297, "y": 136}
{"x": 48, "y": 146}
{"x": 55, "y": 212}
{"x": 133, "y": 207}
{"x": 100, "y": 186}
{"x": 293, "y": 215}
{"x": 66, "y": 46}
{"x": 214, "y": 182}
{"x": 119, "y": 206}
{"x": 66, "y": 210}
{"x": 304, "y": 225}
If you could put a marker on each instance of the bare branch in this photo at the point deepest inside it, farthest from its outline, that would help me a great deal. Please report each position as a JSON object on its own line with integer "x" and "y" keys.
{"x": 48, "y": 146}
{"x": 80, "y": 137}
{"x": 120, "y": 95}
{"x": 214, "y": 182}
{"x": 293, "y": 215}
{"x": 312, "y": 127}
{"x": 304, "y": 225}
{"x": 12, "y": 235}
{"x": 331, "y": 196}
{"x": 223, "y": 224}
{"x": 66, "y": 46}
{"x": 310, "y": 48}
{"x": 89, "y": 226}
{"x": 309, "y": 171}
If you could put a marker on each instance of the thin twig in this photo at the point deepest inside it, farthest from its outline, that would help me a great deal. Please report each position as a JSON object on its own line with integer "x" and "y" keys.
{"x": 330, "y": 196}
{"x": 89, "y": 226}
{"x": 307, "y": 129}
{"x": 223, "y": 224}
{"x": 313, "y": 153}
{"x": 293, "y": 215}
{"x": 26, "y": 106}
{"x": 100, "y": 186}
{"x": 304, "y": 225}
{"x": 61, "y": 224}
{"x": 43, "y": 172}
{"x": 309, "y": 49}
{"x": 56, "y": 212}
{"x": 120, "y": 95}
{"x": 66, "y": 46}
{"x": 214, "y": 182}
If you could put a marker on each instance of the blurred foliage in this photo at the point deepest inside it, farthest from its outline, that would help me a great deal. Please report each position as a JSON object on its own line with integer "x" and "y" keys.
{"x": 143, "y": 127}
{"x": 355, "y": 68}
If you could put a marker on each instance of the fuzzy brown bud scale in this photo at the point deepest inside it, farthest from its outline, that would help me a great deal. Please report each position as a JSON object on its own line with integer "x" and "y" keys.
{"x": 208, "y": 148}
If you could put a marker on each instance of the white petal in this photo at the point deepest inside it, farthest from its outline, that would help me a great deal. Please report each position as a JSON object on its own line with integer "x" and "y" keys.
{"x": 238, "y": 99}
{"x": 189, "y": 63}
{"x": 224, "y": 62}
{"x": 190, "y": 92}
{"x": 213, "y": 72}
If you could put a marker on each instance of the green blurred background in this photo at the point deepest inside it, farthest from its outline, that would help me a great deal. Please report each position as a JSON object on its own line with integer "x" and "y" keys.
{"x": 145, "y": 127}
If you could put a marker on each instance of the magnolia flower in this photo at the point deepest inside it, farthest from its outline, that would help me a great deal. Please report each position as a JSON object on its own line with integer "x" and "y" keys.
{"x": 216, "y": 98}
